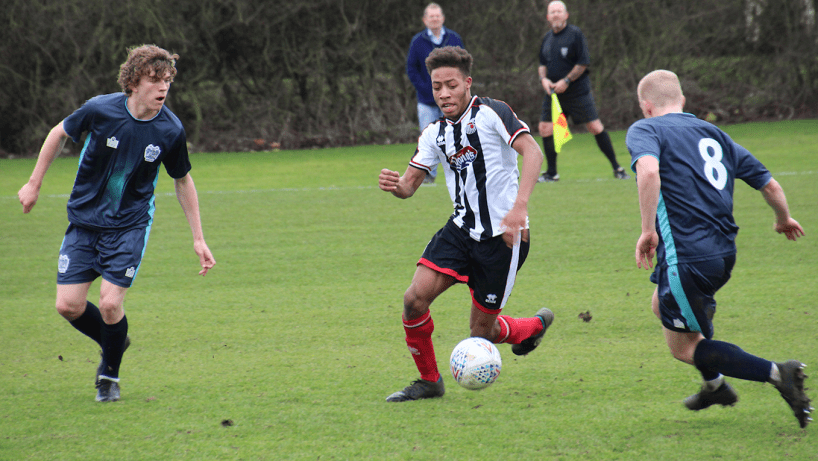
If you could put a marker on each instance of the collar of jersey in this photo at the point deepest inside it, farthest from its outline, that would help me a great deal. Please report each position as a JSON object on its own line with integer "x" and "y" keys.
{"x": 465, "y": 112}
{"x": 139, "y": 119}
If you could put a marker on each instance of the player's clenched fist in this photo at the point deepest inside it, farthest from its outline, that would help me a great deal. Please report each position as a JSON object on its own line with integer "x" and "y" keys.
{"x": 388, "y": 180}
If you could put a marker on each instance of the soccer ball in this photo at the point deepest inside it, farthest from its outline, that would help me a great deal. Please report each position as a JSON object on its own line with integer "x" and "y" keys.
{"x": 475, "y": 363}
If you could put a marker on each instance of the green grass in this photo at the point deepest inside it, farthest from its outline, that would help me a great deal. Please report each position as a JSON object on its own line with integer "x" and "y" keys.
{"x": 295, "y": 335}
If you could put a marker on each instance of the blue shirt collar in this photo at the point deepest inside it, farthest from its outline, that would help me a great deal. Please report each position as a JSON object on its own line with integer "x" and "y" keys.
{"x": 436, "y": 40}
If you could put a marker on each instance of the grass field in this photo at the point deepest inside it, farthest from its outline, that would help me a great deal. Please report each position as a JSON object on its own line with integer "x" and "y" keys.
{"x": 289, "y": 346}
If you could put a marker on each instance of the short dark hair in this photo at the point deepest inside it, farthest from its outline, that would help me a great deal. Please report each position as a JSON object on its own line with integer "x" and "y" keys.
{"x": 141, "y": 61}
{"x": 450, "y": 56}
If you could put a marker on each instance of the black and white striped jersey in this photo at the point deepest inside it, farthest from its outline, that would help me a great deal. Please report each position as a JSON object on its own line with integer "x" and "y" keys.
{"x": 479, "y": 163}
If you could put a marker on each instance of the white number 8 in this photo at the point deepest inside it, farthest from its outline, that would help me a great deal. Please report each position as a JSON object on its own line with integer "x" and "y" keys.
{"x": 712, "y": 164}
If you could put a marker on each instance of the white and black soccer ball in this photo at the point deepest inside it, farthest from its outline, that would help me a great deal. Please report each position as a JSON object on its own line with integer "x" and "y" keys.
{"x": 475, "y": 363}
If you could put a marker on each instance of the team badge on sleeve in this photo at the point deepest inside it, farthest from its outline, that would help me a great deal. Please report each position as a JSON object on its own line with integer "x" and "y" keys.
{"x": 152, "y": 153}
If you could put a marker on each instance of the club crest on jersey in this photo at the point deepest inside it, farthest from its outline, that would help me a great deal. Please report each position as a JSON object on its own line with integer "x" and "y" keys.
{"x": 441, "y": 140}
{"x": 463, "y": 158}
{"x": 112, "y": 142}
{"x": 152, "y": 153}
{"x": 471, "y": 127}
{"x": 564, "y": 51}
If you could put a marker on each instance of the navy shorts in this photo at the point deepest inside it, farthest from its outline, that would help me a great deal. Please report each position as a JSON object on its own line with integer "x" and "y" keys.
{"x": 687, "y": 292}
{"x": 116, "y": 255}
{"x": 488, "y": 267}
{"x": 581, "y": 108}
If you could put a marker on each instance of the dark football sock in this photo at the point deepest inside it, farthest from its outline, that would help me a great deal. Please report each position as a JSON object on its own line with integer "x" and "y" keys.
{"x": 729, "y": 360}
{"x": 604, "y": 143}
{"x": 550, "y": 154}
{"x": 113, "y": 346}
{"x": 708, "y": 375}
{"x": 90, "y": 322}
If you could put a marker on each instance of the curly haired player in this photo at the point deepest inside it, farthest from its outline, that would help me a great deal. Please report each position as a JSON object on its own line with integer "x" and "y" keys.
{"x": 111, "y": 207}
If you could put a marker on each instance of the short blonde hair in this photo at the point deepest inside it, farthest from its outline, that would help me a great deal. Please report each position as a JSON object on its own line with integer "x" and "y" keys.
{"x": 661, "y": 87}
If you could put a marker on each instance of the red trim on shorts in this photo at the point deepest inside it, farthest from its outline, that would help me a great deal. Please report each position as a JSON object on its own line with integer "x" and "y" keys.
{"x": 450, "y": 272}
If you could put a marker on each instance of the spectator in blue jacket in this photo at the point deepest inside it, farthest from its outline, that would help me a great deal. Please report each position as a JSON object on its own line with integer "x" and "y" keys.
{"x": 435, "y": 36}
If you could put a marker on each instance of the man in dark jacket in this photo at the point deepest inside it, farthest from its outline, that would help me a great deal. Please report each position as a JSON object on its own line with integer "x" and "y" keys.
{"x": 435, "y": 36}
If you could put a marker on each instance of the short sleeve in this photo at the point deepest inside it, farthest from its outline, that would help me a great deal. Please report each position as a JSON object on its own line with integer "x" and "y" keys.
{"x": 641, "y": 140}
{"x": 177, "y": 162}
{"x": 79, "y": 121}
{"x": 427, "y": 152}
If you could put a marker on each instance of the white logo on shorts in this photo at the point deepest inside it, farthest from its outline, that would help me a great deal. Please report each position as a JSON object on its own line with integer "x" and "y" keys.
{"x": 151, "y": 153}
{"x": 130, "y": 272}
{"x": 491, "y": 299}
{"x": 678, "y": 323}
{"x": 62, "y": 266}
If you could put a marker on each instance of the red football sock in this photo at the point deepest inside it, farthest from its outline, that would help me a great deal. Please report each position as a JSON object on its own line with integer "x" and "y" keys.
{"x": 419, "y": 339}
{"x": 514, "y": 331}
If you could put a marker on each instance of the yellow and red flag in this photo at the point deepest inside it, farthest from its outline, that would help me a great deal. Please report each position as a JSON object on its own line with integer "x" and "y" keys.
{"x": 561, "y": 133}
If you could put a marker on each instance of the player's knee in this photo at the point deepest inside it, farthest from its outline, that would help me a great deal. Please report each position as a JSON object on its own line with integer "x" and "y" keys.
{"x": 70, "y": 310}
{"x": 678, "y": 355}
{"x": 111, "y": 312}
{"x": 414, "y": 306}
{"x": 683, "y": 354}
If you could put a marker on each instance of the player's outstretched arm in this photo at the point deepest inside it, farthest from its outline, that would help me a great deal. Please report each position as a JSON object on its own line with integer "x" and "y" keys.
{"x": 52, "y": 146}
{"x": 189, "y": 200}
{"x": 401, "y": 186}
{"x": 784, "y": 224}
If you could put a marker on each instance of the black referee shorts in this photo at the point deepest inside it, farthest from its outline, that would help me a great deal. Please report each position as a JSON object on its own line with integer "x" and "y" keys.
{"x": 580, "y": 108}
